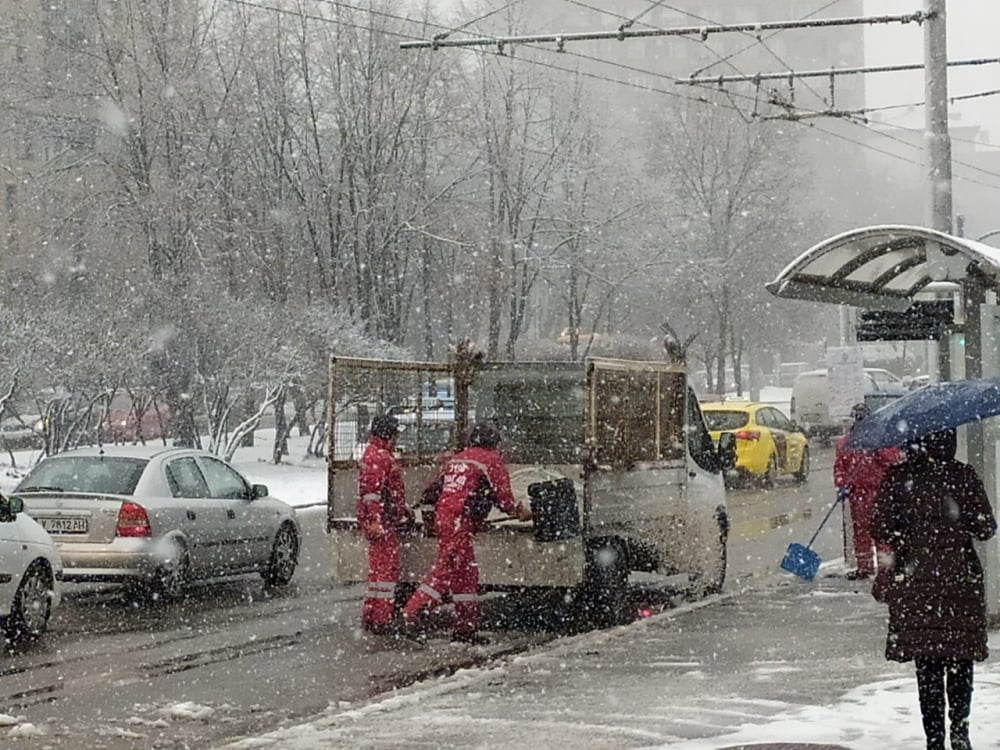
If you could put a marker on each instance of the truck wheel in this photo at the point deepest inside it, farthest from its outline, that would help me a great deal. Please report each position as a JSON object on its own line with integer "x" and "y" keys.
{"x": 605, "y": 591}
{"x": 719, "y": 556}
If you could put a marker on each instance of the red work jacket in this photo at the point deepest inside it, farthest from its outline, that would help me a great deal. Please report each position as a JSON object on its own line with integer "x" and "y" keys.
{"x": 861, "y": 471}
{"x": 461, "y": 476}
{"x": 381, "y": 496}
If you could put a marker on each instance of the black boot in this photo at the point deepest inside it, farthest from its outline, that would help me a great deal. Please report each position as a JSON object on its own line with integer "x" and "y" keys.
{"x": 959, "y": 687}
{"x": 960, "y": 738}
{"x": 472, "y": 639}
{"x": 930, "y": 690}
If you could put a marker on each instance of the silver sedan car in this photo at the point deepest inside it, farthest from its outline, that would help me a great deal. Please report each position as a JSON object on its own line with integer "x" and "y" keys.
{"x": 160, "y": 517}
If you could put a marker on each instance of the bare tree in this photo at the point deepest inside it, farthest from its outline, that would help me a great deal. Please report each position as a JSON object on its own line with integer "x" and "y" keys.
{"x": 735, "y": 182}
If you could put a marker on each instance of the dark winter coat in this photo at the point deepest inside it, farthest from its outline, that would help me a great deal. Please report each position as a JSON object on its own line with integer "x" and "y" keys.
{"x": 929, "y": 509}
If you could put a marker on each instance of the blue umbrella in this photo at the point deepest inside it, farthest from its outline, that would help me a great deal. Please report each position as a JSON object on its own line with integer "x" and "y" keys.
{"x": 930, "y": 409}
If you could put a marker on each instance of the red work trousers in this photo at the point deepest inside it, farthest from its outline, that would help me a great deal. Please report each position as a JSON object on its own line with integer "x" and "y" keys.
{"x": 383, "y": 575}
{"x": 862, "y": 509}
{"x": 454, "y": 572}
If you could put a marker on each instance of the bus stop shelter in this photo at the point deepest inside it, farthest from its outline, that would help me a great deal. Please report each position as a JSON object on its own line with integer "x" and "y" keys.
{"x": 885, "y": 267}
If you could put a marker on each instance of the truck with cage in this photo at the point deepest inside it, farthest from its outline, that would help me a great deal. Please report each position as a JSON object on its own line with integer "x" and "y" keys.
{"x": 613, "y": 456}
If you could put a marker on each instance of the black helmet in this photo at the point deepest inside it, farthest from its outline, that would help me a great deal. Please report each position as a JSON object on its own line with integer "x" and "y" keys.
{"x": 484, "y": 436}
{"x": 385, "y": 426}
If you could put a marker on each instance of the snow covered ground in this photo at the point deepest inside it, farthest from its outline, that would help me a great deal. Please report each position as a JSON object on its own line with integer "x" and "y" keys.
{"x": 485, "y": 706}
{"x": 480, "y": 708}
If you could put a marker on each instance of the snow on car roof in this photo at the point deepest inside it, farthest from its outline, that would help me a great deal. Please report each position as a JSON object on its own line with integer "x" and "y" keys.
{"x": 125, "y": 451}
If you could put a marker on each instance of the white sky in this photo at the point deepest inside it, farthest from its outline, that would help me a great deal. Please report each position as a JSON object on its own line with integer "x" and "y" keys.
{"x": 973, "y": 32}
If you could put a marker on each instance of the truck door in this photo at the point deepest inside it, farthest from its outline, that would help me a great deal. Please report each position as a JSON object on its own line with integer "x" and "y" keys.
{"x": 635, "y": 429}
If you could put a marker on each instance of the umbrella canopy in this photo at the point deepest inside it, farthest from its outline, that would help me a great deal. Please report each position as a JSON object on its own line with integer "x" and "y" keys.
{"x": 930, "y": 409}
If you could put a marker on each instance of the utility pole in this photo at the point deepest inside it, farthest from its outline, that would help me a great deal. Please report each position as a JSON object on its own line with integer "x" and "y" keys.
{"x": 938, "y": 140}
{"x": 936, "y": 108}
{"x": 980, "y": 452}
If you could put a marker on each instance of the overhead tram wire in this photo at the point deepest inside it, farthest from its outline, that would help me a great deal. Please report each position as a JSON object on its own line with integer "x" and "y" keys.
{"x": 560, "y": 39}
{"x": 653, "y": 5}
{"x": 606, "y": 79}
{"x": 769, "y": 36}
{"x": 759, "y": 41}
{"x": 632, "y": 68}
{"x": 867, "y": 126}
{"x": 483, "y": 17}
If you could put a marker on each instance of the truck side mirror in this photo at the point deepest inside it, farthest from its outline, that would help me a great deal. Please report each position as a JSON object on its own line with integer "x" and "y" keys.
{"x": 9, "y": 508}
{"x": 727, "y": 451}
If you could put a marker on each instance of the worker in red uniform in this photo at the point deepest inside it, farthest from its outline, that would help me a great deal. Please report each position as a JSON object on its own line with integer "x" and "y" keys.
{"x": 473, "y": 481}
{"x": 857, "y": 475}
{"x": 382, "y": 514}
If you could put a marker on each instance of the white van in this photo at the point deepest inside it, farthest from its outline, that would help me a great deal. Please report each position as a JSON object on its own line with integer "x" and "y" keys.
{"x": 810, "y": 404}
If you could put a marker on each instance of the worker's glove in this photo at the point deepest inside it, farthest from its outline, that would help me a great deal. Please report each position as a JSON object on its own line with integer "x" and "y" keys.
{"x": 407, "y": 524}
{"x": 374, "y": 531}
{"x": 524, "y": 513}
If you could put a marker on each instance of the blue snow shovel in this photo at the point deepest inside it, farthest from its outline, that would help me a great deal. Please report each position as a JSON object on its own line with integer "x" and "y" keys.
{"x": 803, "y": 561}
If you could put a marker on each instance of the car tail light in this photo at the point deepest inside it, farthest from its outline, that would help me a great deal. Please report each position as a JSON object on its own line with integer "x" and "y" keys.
{"x": 747, "y": 435}
{"x": 133, "y": 521}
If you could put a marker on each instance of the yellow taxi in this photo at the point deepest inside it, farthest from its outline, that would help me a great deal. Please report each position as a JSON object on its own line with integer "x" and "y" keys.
{"x": 768, "y": 444}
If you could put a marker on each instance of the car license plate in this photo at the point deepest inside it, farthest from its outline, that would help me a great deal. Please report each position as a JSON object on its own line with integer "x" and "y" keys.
{"x": 64, "y": 525}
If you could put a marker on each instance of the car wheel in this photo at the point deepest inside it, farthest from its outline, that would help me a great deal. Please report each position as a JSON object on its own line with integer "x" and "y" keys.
{"x": 284, "y": 557}
{"x": 803, "y": 473}
{"x": 32, "y": 605}
{"x": 771, "y": 473}
{"x": 172, "y": 579}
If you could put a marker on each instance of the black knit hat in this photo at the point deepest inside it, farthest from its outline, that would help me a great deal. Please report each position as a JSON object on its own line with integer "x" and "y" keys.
{"x": 484, "y": 436}
{"x": 385, "y": 426}
{"x": 859, "y": 411}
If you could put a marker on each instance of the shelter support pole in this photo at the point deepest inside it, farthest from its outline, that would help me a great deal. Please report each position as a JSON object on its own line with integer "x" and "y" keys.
{"x": 988, "y": 328}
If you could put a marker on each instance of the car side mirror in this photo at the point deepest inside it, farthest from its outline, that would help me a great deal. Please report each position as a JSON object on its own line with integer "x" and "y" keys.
{"x": 727, "y": 451}
{"x": 258, "y": 490}
{"x": 9, "y": 508}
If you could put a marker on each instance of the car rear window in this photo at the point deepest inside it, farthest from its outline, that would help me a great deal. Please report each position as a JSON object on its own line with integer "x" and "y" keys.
{"x": 100, "y": 474}
{"x": 725, "y": 420}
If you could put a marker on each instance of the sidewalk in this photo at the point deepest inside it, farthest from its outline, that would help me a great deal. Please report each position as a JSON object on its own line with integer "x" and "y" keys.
{"x": 794, "y": 665}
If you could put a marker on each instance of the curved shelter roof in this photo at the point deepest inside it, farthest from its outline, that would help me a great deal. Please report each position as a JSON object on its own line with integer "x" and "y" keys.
{"x": 882, "y": 267}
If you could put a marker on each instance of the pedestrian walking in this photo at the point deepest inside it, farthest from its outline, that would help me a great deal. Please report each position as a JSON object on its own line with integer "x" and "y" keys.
{"x": 382, "y": 516}
{"x": 857, "y": 475}
{"x": 929, "y": 510}
{"x": 473, "y": 481}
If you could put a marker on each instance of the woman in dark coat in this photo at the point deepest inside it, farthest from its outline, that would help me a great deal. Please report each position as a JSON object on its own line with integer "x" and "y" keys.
{"x": 929, "y": 510}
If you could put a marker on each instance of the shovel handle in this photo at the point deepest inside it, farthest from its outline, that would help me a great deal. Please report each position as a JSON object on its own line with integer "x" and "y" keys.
{"x": 838, "y": 501}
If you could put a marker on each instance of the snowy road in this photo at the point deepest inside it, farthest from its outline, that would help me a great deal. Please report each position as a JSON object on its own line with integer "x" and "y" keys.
{"x": 230, "y": 662}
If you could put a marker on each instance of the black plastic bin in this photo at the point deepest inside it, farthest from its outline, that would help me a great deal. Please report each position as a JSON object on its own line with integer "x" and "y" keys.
{"x": 553, "y": 505}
